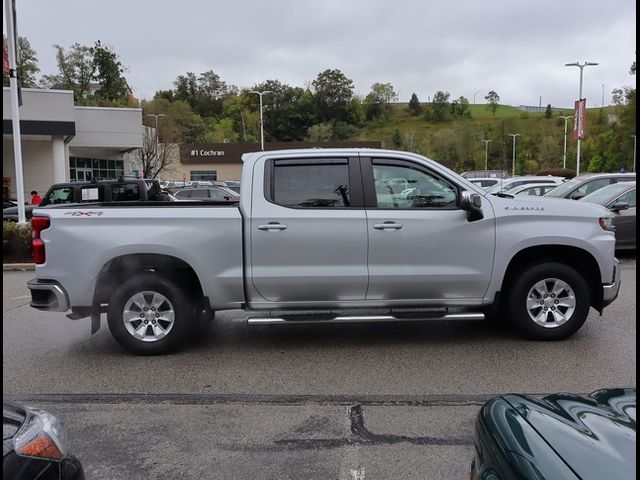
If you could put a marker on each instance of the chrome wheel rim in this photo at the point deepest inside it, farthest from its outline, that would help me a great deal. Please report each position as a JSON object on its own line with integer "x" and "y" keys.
{"x": 551, "y": 303}
{"x": 148, "y": 316}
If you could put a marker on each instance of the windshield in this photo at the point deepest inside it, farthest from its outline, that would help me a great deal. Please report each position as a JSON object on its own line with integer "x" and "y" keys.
{"x": 564, "y": 188}
{"x": 606, "y": 194}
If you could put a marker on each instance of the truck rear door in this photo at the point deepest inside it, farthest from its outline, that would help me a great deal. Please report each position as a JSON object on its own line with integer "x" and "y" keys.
{"x": 308, "y": 230}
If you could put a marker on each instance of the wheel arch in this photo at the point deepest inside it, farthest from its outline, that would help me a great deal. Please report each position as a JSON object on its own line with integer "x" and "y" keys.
{"x": 580, "y": 260}
{"x": 118, "y": 269}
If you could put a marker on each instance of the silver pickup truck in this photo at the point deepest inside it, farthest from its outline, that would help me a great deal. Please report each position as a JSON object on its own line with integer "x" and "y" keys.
{"x": 327, "y": 235}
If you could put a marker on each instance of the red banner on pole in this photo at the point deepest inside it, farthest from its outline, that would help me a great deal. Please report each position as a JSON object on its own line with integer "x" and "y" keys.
{"x": 5, "y": 62}
{"x": 580, "y": 119}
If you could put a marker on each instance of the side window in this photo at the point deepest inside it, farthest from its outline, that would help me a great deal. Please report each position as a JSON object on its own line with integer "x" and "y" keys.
{"x": 125, "y": 193}
{"x": 400, "y": 186}
{"x": 629, "y": 197}
{"x": 183, "y": 194}
{"x": 200, "y": 194}
{"x": 311, "y": 183}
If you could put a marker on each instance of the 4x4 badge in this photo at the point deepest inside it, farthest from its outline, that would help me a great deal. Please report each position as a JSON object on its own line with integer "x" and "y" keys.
{"x": 83, "y": 214}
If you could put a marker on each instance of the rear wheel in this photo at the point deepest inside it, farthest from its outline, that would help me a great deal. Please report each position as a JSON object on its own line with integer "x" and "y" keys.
{"x": 149, "y": 315}
{"x": 549, "y": 301}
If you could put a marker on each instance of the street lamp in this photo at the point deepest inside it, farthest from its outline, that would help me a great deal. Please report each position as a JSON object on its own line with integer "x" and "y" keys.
{"x": 486, "y": 154}
{"x": 581, "y": 67}
{"x": 634, "y": 152}
{"x": 261, "y": 121}
{"x": 513, "y": 164}
{"x": 474, "y": 96}
{"x": 564, "y": 154}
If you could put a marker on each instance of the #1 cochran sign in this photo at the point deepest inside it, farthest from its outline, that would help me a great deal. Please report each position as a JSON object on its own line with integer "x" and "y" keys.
{"x": 579, "y": 119}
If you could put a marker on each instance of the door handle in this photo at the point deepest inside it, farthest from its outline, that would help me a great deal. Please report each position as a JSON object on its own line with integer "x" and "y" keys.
{"x": 272, "y": 226}
{"x": 387, "y": 226}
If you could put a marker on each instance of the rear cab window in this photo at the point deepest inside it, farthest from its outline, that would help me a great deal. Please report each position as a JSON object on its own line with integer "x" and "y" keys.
{"x": 313, "y": 183}
{"x": 125, "y": 192}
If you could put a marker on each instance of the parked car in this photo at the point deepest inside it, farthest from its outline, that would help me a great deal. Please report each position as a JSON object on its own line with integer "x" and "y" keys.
{"x": 533, "y": 189}
{"x": 233, "y": 185}
{"x": 484, "y": 182}
{"x": 120, "y": 190}
{"x": 10, "y": 214}
{"x": 484, "y": 174}
{"x": 588, "y": 183}
{"x": 210, "y": 193}
{"x": 33, "y": 446}
{"x": 508, "y": 184}
{"x": 561, "y": 436}
{"x": 620, "y": 198}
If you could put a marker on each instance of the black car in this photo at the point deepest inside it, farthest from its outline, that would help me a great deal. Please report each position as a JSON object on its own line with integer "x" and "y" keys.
{"x": 33, "y": 446}
{"x": 120, "y": 190}
{"x": 10, "y": 214}
{"x": 561, "y": 436}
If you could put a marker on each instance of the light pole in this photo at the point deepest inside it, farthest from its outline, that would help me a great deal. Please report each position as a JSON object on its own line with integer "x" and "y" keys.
{"x": 564, "y": 154}
{"x": 474, "y": 96}
{"x": 261, "y": 121}
{"x": 578, "y": 126}
{"x": 634, "y": 152}
{"x": 513, "y": 162}
{"x": 486, "y": 154}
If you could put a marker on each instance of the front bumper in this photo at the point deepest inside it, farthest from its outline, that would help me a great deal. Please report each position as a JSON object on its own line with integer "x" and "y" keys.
{"x": 48, "y": 295}
{"x": 610, "y": 290}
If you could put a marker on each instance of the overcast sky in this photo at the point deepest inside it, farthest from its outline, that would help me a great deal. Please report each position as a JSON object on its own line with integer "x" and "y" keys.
{"x": 516, "y": 47}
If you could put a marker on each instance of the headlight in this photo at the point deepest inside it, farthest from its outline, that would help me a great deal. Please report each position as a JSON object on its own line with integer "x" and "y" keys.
{"x": 41, "y": 436}
{"x": 606, "y": 223}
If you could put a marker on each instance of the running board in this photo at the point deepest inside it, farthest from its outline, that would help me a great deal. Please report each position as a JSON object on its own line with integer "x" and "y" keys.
{"x": 365, "y": 319}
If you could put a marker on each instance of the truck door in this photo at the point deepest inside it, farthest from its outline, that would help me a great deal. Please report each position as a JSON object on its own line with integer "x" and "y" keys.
{"x": 308, "y": 231}
{"x": 421, "y": 245}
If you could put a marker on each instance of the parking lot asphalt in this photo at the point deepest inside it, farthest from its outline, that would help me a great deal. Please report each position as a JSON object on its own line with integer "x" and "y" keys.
{"x": 341, "y": 401}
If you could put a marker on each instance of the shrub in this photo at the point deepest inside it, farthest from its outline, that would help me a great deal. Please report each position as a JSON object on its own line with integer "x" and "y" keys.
{"x": 558, "y": 172}
{"x": 16, "y": 243}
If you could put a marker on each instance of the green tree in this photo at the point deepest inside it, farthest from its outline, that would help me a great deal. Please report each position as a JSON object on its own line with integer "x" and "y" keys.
{"x": 440, "y": 105}
{"x": 378, "y": 100}
{"x": 27, "y": 64}
{"x": 396, "y": 138}
{"x": 92, "y": 73}
{"x": 548, "y": 113}
{"x": 493, "y": 100}
{"x": 320, "y": 132}
{"x": 414, "y": 105}
{"x": 462, "y": 108}
{"x": 332, "y": 92}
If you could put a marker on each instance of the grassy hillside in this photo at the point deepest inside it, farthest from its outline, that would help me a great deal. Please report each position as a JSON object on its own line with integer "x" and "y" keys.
{"x": 457, "y": 142}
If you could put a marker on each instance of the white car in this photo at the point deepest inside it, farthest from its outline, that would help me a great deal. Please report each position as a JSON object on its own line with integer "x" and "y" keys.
{"x": 506, "y": 185}
{"x": 532, "y": 189}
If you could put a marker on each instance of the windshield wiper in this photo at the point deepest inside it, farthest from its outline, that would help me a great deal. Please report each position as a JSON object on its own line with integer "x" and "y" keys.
{"x": 503, "y": 195}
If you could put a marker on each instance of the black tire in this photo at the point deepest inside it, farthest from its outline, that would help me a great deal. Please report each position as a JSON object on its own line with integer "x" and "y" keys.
{"x": 524, "y": 284}
{"x": 178, "y": 301}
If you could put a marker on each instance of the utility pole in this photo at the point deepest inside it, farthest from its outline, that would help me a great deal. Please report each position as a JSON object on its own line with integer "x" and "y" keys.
{"x": 513, "y": 161}
{"x": 564, "y": 154}
{"x": 578, "y": 126}
{"x": 486, "y": 154}
{"x": 261, "y": 121}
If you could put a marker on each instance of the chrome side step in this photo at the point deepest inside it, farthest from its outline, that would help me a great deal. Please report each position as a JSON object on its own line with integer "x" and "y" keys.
{"x": 365, "y": 319}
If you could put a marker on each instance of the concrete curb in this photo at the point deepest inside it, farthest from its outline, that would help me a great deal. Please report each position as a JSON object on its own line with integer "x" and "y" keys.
{"x": 18, "y": 267}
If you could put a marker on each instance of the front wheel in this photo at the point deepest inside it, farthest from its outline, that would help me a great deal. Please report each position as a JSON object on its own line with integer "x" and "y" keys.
{"x": 549, "y": 301}
{"x": 149, "y": 315}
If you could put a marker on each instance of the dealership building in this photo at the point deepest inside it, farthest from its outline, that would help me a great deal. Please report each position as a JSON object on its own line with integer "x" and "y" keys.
{"x": 62, "y": 142}
{"x": 223, "y": 161}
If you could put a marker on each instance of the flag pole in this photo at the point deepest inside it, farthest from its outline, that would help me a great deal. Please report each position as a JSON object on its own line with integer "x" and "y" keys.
{"x": 9, "y": 6}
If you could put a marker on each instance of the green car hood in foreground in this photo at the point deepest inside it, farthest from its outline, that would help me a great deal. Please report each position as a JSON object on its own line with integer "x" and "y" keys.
{"x": 563, "y": 435}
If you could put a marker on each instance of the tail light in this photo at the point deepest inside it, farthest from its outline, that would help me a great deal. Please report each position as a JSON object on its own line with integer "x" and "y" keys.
{"x": 41, "y": 436}
{"x": 37, "y": 225}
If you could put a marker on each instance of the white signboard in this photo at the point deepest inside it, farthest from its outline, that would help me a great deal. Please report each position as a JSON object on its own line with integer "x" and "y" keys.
{"x": 89, "y": 194}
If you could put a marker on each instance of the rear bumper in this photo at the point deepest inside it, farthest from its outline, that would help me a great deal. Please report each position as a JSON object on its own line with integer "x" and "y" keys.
{"x": 48, "y": 295}
{"x": 610, "y": 290}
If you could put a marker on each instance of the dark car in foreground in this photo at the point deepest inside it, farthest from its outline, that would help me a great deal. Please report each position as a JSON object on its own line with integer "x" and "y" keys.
{"x": 620, "y": 198}
{"x": 10, "y": 214}
{"x": 33, "y": 446}
{"x": 561, "y": 436}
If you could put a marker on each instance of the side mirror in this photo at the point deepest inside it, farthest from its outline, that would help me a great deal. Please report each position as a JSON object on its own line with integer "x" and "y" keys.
{"x": 616, "y": 207}
{"x": 472, "y": 204}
